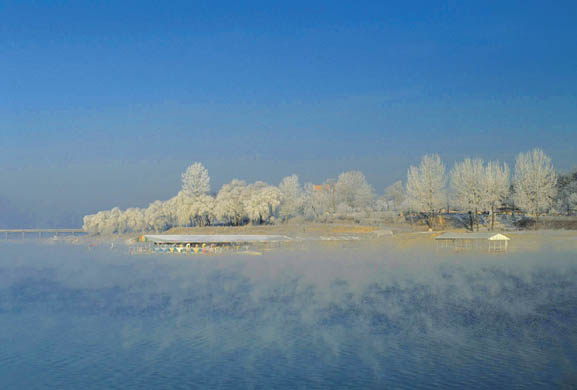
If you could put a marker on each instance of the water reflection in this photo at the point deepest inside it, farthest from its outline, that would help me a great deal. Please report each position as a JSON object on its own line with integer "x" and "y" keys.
{"x": 75, "y": 318}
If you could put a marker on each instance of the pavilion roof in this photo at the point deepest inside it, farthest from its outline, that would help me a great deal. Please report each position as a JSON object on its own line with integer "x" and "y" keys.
{"x": 213, "y": 238}
{"x": 473, "y": 236}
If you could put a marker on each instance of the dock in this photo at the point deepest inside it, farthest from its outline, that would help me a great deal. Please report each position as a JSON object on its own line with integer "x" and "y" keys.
{"x": 207, "y": 244}
{"x": 38, "y": 232}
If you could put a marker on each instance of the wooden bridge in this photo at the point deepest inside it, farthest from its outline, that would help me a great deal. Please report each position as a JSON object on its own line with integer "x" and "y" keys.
{"x": 52, "y": 232}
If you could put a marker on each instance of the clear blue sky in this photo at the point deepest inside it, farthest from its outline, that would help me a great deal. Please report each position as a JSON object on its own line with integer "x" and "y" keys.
{"x": 104, "y": 103}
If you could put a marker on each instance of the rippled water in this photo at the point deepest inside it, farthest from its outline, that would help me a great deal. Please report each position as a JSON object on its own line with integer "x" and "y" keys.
{"x": 74, "y": 318}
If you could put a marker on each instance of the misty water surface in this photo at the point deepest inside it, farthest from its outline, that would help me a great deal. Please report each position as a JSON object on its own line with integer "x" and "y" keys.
{"x": 71, "y": 317}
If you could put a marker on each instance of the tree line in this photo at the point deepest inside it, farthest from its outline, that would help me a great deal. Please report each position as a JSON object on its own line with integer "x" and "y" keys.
{"x": 472, "y": 187}
{"x": 477, "y": 187}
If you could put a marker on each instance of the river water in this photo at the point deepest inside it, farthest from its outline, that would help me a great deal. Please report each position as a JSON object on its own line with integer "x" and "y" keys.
{"x": 72, "y": 317}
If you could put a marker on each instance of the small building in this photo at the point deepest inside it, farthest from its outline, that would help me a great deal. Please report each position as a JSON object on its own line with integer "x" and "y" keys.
{"x": 329, "y": 188}
{"x": 492, "y": 242}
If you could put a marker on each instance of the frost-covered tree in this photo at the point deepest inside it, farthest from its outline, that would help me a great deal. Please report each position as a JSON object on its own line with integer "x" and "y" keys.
{"x": 195, "y": 180}
{"x": 91, "y": 223}
{"x": 426, "y": 186}
{"x": 261, "y": 202}
{"x": 571, "y": 205}
{"x": 229, "y": 207}
{"x": 184, "y": 209}
{"x": 535, "y": 182}
{"x": 319, "y": 201}
{"x": 170, "y": 210}
{"x": 353, "y": 190}
{"x": 190, "y": 211}
{"x": 566, "y": 200}
{"x": 309, "y": 209}
{"x": 107, "y": 221}
{"x": 382, "y": 204}
{"x": 496, "y": 185}
{"x": 292, "y": 197}
{"x": 134, "y": 219}
{"x": 156, "y": 216}
{"x": 395, "y": 194}
{"x": 467, "y": 185}
{"x": 204, "y": 209}
{"x": 238, "y": 202}
{"x": 114, "y": 221}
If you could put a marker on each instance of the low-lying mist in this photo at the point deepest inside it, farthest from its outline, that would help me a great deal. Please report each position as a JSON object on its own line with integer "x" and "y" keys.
{"x": 379, "y": 311}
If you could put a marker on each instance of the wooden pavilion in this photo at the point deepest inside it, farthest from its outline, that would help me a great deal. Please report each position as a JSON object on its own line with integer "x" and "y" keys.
{"x": 493, "y": 242}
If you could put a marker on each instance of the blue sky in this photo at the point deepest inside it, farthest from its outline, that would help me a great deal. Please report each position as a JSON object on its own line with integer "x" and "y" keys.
{"x": 104, "y": 103}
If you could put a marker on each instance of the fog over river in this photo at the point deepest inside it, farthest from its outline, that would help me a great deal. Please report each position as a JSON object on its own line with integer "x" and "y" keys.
{"x": 78, "y": 318}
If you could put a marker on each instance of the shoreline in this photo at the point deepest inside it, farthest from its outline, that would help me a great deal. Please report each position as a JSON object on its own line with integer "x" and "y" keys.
{"x": 331, "y": 236}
